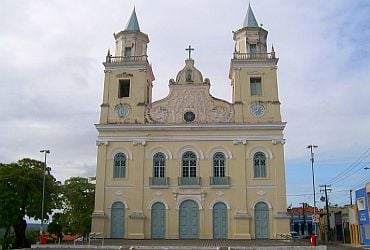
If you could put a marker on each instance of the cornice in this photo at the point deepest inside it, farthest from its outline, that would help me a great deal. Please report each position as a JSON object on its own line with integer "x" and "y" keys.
{"x": 188, "y": 127}
{"x": 136, "y": 65}
{"x": 270, "y": 63}
{"x": 174, "y": 138}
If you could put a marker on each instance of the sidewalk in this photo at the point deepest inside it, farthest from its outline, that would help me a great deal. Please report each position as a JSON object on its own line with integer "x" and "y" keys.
{"x": 124, "y": 244}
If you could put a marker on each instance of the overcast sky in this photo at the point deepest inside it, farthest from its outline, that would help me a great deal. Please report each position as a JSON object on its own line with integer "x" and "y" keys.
{"x": 51, "y": 76}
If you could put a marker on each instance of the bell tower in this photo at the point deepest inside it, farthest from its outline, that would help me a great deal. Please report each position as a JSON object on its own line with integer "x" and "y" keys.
{"x": 253, "y": 75}
{"x": 128, "y": 77}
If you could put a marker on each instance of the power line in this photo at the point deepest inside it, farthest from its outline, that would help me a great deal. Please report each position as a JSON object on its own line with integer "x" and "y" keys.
{"x": 364, "y": 180}
{"x": 346, "y": 173}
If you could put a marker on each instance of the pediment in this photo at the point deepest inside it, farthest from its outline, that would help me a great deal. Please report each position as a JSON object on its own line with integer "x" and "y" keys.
{"x": 186, "y": 99}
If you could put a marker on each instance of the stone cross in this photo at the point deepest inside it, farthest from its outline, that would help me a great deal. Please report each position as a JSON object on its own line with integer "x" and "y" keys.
{"x": 189, "y": 49}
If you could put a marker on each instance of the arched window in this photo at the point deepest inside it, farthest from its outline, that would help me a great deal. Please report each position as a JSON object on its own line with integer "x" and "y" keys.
{"x": 189, "y": 164}
{"x": 159, "y": 164}
{"x": 219, "y": 165}
{"x": 119, "y": 169}
{"x": 259, "y": 163}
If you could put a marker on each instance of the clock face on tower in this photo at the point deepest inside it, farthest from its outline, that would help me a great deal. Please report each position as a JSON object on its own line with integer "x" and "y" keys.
{"x": 122, "y": 110}
{"x": 257, "y": 109}
{"x": 189, "y": 116}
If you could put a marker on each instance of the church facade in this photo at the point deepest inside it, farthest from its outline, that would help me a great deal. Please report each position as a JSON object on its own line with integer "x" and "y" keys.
{"x": 190, "y": 166}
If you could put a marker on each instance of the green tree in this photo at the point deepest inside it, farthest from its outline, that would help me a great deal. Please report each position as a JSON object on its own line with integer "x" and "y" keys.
{"x": 21, "y": 195}
{"x": 79, "y": 195}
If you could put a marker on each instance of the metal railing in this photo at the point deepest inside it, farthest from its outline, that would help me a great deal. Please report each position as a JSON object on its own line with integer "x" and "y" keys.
{"x": 220, "y": 180}
{"x": 254, "y": 56}
{"x": 123, "y": 59}
{"x": 159, "y": 181}
{"x": 189, "y": 181}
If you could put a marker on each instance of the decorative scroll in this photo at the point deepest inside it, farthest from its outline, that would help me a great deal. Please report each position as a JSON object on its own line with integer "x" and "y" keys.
{"x": 197, "y": 99}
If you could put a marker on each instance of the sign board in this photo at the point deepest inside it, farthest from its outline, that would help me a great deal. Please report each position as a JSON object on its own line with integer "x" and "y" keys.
{"x": 316, "y": 218}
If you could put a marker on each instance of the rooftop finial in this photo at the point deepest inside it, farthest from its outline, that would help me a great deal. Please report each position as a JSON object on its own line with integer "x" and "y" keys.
{"x": 133, "y": 24}
{"x": 189, "y": 49}
{"x": 250, "y": 19}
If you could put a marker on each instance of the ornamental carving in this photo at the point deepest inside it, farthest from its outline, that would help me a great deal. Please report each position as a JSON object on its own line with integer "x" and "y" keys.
{"x": 190, "y": 98}
{"x": 189, "y": 94}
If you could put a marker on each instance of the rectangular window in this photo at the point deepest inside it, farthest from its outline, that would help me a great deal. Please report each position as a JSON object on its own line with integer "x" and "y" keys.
{"x": 256, "y": 86}
{"x": 127, "y": 51}
{"x": 124, "y": 88}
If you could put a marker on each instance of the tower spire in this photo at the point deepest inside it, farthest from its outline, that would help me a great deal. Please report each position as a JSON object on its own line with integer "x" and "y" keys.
{"x": 250, "y": 19}
{"x": 133, "y": 24}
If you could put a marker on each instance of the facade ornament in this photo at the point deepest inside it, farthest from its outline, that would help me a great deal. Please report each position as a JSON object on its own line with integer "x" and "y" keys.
{"x": 158, "y": 193}
{"x": 124, "y": 74}
{"x": 278, "y": 141}
{"x": 174, "y": 195}
{"x": 139, "y": 215}
{"x": 220, "y": 193}
{"x": 261, "y": 192}
{"x": 196, "y": 100}
{"x": 240, "y": 141}
{"x": 118, "y": 193}
{"x": 139, "y": 142}
{"x": 203, "y": 195}
{"x": 242, "y": 216}
{"x": 102, "y": 142}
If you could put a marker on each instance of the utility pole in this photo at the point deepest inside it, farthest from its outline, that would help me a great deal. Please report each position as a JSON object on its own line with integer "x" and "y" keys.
{"x": 312, "y": 159}
{"x": 326, "y": 189}
{"x": 45, "y": 152}
{"x": 350, "y": 195}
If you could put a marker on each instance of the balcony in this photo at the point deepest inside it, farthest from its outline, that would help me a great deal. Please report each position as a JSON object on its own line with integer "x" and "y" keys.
{"x": 254, "y": 56}
{"x": 160, "y": 182}
{"x": 189, "y": 181}
{"x": 220, "y": 181}
{"x": 125, "y": 59}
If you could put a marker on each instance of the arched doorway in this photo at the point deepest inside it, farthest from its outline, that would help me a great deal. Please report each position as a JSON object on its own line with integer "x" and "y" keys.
{"x": 158, "y": 221}
{"x": 219, "y": 221}
{"x": 189, "y": 220}
{"x": 117, "y": 223}
{"x": 261, "y": 220}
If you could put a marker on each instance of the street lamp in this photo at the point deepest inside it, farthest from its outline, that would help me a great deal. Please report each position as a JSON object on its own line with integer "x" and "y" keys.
{"x": 311, "y": 147}
{"x": 45, "y": 151}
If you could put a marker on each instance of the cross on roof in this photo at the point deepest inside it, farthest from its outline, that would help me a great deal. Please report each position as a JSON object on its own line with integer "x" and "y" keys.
{"x": 189, "y": 49}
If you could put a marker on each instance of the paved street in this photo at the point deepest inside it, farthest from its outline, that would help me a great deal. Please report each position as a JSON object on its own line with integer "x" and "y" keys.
{"x": 193, "y": 244}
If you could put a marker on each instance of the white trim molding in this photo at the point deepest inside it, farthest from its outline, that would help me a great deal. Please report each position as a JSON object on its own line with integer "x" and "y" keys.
{"x": 117, "y": 150}
{"x": 181, "y": 198}
{"x": 192, "y": 148}
{"x": 262, "y": 149}
{"x": 152, "y": 151}
{"x": 214, "y": 202}
{"x": 123, "y": 202}
{"x": 175, "y": 138}
{"x": 187, "y": 127}
{"x": 218, "y": 148}
{"x": 152, "y": 202}
{"x": 261, "y": 200}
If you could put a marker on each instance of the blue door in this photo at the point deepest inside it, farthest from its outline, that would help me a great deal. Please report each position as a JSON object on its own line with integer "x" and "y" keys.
{"x": 219, "y": 221}
{"x": 189, "y": 220}
{"x": 261, "y": 220}
{"x": 158, "y": 219}
{"x": 117, "y": 220}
